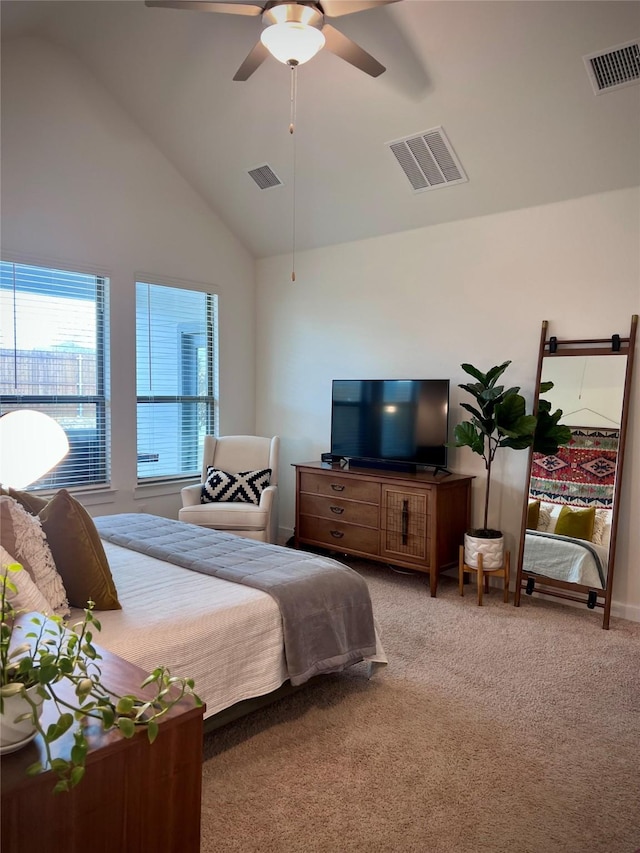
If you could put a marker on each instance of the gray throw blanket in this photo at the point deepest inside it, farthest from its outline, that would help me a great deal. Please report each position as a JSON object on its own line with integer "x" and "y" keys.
{"x": 326, "y": 609}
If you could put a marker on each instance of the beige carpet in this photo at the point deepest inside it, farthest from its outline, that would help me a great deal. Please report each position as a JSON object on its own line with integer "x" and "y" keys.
{"x": 493, "y": 728}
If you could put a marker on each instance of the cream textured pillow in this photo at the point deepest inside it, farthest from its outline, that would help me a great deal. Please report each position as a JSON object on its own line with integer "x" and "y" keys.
{"x": 27, "y": 596}
{"x": 22, "y": 535}
{"x": 554, "y": 512}
{"x": 544, "y": 519}
{"x": 602, "y": 527}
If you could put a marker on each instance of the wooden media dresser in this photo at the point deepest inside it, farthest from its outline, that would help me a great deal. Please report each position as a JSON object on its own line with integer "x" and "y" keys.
{"x": 416, "y": 521}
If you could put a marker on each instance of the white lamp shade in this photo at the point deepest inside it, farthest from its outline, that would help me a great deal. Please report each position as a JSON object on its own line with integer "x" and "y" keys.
{"x": 31, "y": 443}
{"x": 292, "y": 42}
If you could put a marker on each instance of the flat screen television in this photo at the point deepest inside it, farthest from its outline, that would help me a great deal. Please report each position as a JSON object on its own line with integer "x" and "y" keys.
{"x": 399, "y": 423}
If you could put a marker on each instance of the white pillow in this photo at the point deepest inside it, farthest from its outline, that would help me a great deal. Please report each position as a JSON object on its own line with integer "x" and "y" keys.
{"x": 544, "y": 519}
{"x": 22, "y": 535}
{"x": 553, "y": 511}
{"x": 27, "y": 596}
{"x": 602, "y": 527}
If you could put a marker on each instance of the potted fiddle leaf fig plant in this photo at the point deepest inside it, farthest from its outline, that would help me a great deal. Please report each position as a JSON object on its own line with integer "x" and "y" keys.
{"x": 499, "y": 419}
{"x": 41, "y": 654}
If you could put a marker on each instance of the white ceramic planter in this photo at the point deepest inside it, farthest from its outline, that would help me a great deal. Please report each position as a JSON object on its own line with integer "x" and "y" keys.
{"x": 14, "y": 735}
{"x": 492, "y": 551}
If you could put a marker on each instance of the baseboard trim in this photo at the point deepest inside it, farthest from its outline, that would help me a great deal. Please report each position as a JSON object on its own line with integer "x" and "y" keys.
{"x": 284, "y": 534}
{"x": 625, "y": 611}
{"x": 619, "y": 610}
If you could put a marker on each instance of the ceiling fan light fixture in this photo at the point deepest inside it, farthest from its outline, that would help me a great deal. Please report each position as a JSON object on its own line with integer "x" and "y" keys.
{"x": 292, "y": 42}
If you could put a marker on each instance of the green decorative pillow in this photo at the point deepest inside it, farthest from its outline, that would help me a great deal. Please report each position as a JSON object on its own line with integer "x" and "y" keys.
{"x": 533, "y": 515}
{"x": 576, "y": 522}
{"x": 30, "y": 501}
{"x": 78, "y": 553}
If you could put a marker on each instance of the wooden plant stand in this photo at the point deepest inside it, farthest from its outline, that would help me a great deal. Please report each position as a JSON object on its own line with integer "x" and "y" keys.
{"x": 484, "y": 574}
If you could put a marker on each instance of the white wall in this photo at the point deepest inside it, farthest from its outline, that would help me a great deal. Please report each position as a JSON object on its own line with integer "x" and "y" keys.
{"x": 83, "y": 187}
{"x": 419, "y": 303}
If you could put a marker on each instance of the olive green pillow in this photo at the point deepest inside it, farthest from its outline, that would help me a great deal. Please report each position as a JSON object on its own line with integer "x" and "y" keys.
{"x": 30, "y": 501}
{"x": 533, "y": 515}
{"x": 576, "y": 522}
{"x": 78, "y": 553}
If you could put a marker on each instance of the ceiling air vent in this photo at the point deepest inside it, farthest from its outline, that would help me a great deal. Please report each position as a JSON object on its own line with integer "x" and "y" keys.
{"x": 614, "y": 68}
{"x": 265, "y": 177}
{"x": 428, "y": 160}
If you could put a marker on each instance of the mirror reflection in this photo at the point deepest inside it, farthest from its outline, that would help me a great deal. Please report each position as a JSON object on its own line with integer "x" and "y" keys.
{"x": 571, "y": 493}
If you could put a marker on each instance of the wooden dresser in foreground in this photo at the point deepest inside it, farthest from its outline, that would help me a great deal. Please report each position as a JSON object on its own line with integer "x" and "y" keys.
{"x": 135, "y": 796}
{"x": 415, "y": 521}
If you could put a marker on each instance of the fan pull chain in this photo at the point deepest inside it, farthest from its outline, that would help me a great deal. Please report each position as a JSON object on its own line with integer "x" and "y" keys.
{"x": 292, "y": 127}
{"x": 294, "y": 95}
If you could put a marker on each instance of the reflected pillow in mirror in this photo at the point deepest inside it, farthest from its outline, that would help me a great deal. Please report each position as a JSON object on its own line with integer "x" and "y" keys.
{"x": 577, "y": 523}
{"x": 549, "y": 512}
{"x": 544, "y": 519}
{"x": 602, "y": 527}
{"x": 533, "y": 515}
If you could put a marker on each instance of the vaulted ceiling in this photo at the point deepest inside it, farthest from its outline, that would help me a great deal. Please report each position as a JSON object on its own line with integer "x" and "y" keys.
{"x": 506, "y": 80}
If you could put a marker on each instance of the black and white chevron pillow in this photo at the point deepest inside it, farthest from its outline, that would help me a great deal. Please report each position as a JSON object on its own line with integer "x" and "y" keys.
{"x": 244, "y": 487}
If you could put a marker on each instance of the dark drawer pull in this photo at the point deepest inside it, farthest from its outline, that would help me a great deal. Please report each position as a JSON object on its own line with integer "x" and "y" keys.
{"x": 337, "y": 534}
{"x": 337, "y": 510}
{"x": 337, "y": 487}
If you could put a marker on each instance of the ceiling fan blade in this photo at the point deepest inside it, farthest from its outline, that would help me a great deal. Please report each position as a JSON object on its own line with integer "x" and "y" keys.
{"x": 336, "y": 8}
{"x": 248, "y": 8}
{"x": 255, "y": 58}
{"x": 348, "y": 50}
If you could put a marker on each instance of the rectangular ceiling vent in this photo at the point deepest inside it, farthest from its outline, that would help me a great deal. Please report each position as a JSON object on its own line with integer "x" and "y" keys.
{"x": 265, "y": 177}
{"x": 428, "y": 160}
{"x": 614, "y": 68}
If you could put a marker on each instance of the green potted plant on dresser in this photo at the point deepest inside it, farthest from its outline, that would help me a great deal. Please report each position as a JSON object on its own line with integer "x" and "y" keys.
{"x": 499, "y": 419}
{"x": 44, "y": 660}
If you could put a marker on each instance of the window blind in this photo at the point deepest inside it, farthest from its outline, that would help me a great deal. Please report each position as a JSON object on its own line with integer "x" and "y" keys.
{"x": 176, "y": 377}
{"x": 53, "y": 358}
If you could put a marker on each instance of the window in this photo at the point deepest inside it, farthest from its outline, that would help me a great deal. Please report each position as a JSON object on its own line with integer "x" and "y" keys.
{"x": 176, "y": 373}
{"x": 53, "y": 333}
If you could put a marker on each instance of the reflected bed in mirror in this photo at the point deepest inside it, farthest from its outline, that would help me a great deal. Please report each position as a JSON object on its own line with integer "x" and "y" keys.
{"x": 570, "y": 518}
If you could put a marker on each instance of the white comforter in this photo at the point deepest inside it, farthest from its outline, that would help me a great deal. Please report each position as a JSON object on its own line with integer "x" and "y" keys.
{"x": 226, "y": 636}
{"x": 564, "y": 558}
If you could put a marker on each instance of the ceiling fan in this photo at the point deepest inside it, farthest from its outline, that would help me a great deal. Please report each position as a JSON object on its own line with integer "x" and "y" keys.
{"x": 293, "y": 31}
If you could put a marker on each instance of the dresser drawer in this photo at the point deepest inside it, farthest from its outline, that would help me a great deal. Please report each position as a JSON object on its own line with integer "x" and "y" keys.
{"x": 337, "y": 486}
{"x": 352, "y": 512}
{"x": 337, "y": 535}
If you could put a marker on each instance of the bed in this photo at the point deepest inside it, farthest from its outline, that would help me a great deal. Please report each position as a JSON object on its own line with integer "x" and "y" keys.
{"x": 568, "y": 558}
{"x": 565, "y": 558}
{"x": 231, "y": 638}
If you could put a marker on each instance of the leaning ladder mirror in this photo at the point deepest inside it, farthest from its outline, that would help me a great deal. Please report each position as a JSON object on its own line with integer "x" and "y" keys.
{"x": 570, "y": 517}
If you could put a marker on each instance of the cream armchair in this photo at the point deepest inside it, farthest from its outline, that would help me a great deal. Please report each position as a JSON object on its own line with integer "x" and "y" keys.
{"x": 233, "y": 454}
